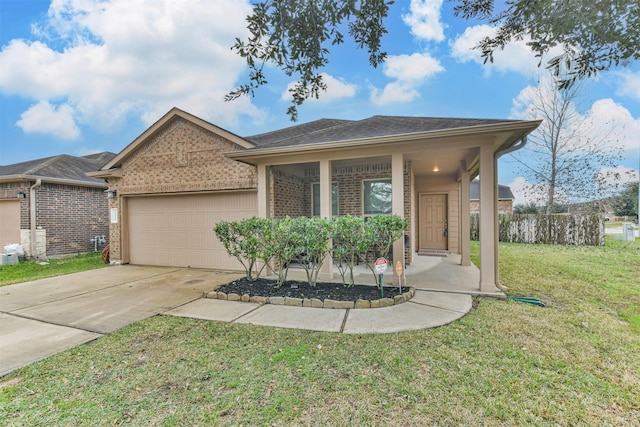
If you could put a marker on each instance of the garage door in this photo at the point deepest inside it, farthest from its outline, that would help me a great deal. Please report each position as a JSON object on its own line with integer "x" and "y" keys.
{"x": 9, "y": 222}
{"x": 178, "y": 230}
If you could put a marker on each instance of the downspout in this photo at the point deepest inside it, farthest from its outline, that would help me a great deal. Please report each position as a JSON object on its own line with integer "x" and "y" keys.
{"x": 519, "y": 145}
{"x": 32, "y": 205}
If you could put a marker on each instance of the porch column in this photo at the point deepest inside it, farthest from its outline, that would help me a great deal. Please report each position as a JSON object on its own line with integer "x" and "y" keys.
{"x": 488, "y": 220}
{"x": 326, "y": 272}
{"x": 465, "y": 217}
{"x": 263, "y": 191}
{"x": 264, "y": 210}
{"x": 397, "y": 206}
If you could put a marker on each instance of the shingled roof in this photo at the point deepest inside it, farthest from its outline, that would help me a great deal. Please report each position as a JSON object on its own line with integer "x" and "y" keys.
{"x": 61, "y": 168}
{"x": 334, "y": 130}
{"x": 504, "y": 192}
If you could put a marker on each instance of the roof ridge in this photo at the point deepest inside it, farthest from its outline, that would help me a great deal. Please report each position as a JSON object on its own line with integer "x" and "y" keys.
{"x": 297, "y": 126}
{"x": 47, "y": 161}
{"x": 343, "y": 123}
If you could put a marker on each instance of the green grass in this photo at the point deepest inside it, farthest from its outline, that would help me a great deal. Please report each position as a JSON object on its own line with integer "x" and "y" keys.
{"x": 31, "y": 270}
{"x": 616, "y": 224}
{"x": 574, "y": 362}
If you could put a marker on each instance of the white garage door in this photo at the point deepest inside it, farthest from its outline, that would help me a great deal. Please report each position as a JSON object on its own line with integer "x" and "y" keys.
{"x": 9, "y": 222}
{"x": 178, "y": 230}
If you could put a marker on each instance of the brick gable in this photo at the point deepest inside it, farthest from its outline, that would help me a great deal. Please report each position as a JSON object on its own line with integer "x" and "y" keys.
{"x": 184, "y": 157}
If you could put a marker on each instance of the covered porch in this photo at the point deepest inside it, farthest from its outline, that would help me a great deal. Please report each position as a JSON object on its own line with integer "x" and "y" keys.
{"x": 423, "y": 176}
{"x": 441, "y": 273}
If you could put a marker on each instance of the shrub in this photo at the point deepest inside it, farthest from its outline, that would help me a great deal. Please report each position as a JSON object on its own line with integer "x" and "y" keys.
{"x": 349, "y": 244}
{"x": 381, "y": 232}
{"x": 308, "y": 240}
{"x": 245, "y": 241}
{"x": 311, "y": 239}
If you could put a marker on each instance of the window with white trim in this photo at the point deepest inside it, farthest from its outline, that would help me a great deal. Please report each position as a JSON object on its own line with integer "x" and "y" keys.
{"x": 315, "y": 199}
{"x": 376, "y": 197}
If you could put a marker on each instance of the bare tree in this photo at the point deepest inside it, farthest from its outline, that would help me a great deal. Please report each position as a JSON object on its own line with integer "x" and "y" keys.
{"x": 568, "y": 158}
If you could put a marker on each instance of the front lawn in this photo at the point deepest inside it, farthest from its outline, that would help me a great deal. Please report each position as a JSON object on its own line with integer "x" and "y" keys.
{"x": 32, "y": 270}
{"x": 574, "y": 362}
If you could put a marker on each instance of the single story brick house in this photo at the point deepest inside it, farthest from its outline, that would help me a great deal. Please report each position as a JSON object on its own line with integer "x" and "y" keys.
{"x": 183, "y": 174}
{"x": 54, "y": 200}
{"x": 505, "y": 198}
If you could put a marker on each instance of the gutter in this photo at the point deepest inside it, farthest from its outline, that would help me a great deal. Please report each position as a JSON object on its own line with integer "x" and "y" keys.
{"x": 32, "y": 205}
{"x": 514, "y": 147}
{"x": 373, "y": 141}
{"x": 65, "y": 181}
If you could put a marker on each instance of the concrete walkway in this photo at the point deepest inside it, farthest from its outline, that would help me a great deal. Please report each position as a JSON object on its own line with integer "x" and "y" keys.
{"x": 426, "y": 309}
{"x": 44, "y": 317}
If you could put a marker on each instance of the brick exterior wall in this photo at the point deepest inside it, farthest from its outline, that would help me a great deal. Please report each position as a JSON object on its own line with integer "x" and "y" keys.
{"x": 503, "y": 205}
{"x": 71, "y": 215}
{"x": 291, "y": 194}
{"x": 181, "y": 157}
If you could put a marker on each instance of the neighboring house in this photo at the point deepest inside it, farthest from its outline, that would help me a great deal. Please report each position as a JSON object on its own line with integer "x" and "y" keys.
{"x": 54, "y": 200}
{"x": 505, "y": 198}
{"x": 183, "y": 175}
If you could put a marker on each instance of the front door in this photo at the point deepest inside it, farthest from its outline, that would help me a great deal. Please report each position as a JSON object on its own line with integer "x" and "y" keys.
{"x": 433, "y": 221}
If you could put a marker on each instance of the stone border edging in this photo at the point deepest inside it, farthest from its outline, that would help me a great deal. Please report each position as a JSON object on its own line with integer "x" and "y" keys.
{"x": 314, "y": 302}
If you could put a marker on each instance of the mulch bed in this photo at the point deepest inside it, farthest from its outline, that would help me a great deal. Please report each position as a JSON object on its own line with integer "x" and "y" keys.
{"x": 300, "y": 289}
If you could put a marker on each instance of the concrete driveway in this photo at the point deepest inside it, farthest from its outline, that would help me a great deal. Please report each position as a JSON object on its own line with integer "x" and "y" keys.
{"x": 44, "y": 317}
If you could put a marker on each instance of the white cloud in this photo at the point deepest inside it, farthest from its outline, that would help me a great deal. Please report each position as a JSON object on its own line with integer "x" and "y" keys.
{"x": 410, "y": 72}
{"x": 616, "y": 177}
{"x": 336, "y": 89}
{"x": 525, "y": 192}
{"x": 85, "y": 151}
{"x": 612, "y": 122}
{"x": 630, "y": 84}
{"x": 606, "y": 123}
{"x": 46, "y": 118}
{"x": 424, "y": 20}
{"x": 516, "y": 56}
{"x": 111, "y": 59}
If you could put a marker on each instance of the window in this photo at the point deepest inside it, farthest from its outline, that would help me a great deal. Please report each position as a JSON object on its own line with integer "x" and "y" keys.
{"x": 376, "y": 196}
{"x": 315, "y": 199}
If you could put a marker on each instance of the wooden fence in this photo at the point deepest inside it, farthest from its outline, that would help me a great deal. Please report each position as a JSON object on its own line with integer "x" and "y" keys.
{"x": 558, "y": 229}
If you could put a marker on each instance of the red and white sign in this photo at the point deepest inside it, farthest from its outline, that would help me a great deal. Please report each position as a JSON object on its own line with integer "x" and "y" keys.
{"x": 380, "y": 265}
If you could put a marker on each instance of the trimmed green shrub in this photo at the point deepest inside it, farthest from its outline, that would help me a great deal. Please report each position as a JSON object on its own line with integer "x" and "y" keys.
{"x": 311, "y": 241}
{"x": 349, "y": 244}
{"x": 308, "y": 241}
{"x": 245, "y": 241}
{"x": 381, "y": 232}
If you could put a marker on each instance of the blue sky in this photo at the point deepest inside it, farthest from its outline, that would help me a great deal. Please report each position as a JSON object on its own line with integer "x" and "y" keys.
{"x": 82, "y": 76}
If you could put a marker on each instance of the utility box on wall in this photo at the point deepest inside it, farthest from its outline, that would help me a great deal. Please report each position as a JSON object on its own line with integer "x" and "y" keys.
{"x": 9, "y": 259}
{"x": 628, "y": 232}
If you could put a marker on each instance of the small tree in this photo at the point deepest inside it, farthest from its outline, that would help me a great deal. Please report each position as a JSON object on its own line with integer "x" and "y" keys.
{"x": 349, "y": 242}
{"x": 626, "y": 204}
{"x": 381, "y": 232}
{"x": 281, "y": 240}
{"x": 244, "y": 241}
{"x": 529, "y": 208}
{"x": 311, "y": 241}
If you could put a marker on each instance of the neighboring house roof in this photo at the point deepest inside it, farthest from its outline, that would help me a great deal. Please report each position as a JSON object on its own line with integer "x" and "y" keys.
{"x": 504, "y": 192}
{"x": 62, "y": 169}
{"x": 333, "y": 130}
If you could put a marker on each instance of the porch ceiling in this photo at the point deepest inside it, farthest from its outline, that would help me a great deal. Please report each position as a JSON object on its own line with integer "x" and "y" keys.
{"x": 447, "y": 161}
